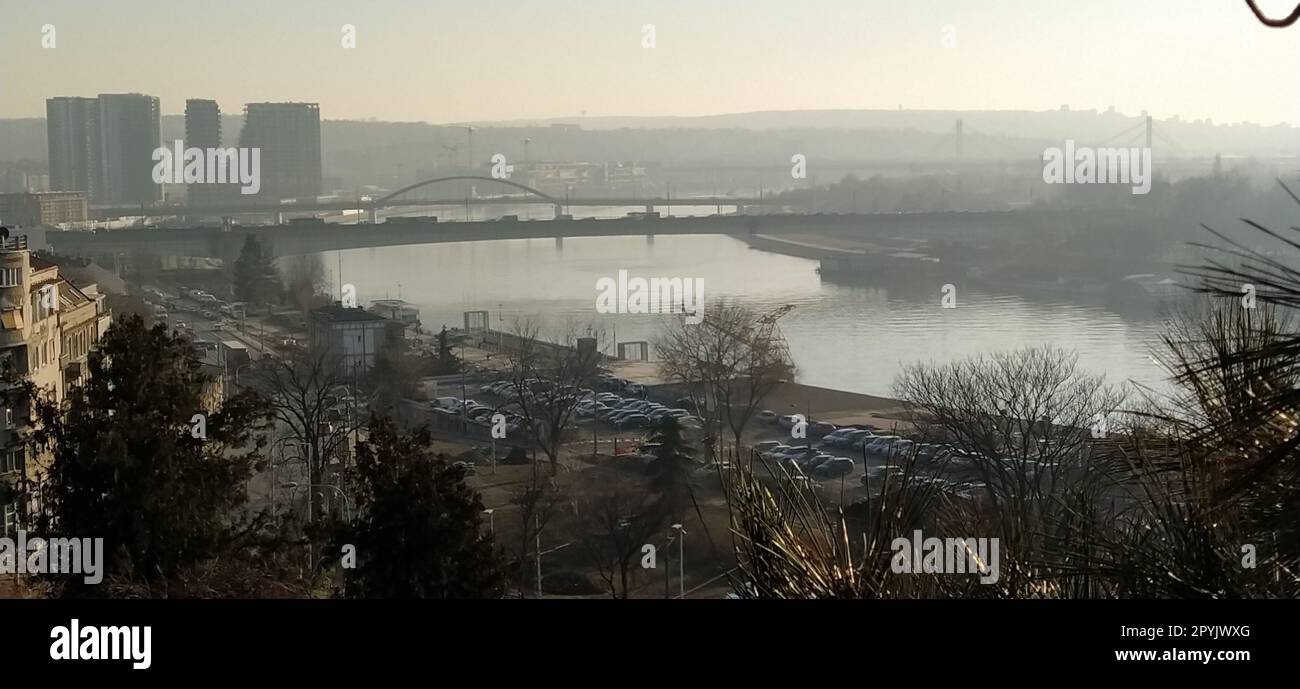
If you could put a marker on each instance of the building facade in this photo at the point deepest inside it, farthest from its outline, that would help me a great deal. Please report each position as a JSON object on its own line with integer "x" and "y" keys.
{"x": 104, "y": 146}
{"x": 130, "y": 132}
{"x": 48, "y": 327}
{"x": 354, "y": 335}
{"x": 73, "y": 138}
{"x": 288, "y": 135}
{"x": 45, "y": 208}
{"x": 203, "y": 131}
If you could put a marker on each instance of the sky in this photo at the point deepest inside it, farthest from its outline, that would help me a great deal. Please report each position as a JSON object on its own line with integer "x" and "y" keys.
{"x": 446, "y": 61}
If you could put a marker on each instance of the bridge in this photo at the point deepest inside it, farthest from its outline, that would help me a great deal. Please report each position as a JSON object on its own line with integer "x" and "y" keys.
{"x": 392, "y": 200}
{"x": 316, "y": 236}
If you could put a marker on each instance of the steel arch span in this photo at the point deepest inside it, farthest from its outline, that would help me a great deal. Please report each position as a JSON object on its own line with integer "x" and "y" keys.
{"x": 384, "y": 200}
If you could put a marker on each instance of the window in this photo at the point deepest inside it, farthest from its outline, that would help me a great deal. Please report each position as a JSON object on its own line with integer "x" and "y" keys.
{"x": 9, "y": 417}
{"x": 11, "y": 277}
{"x": 10, "y": 519}
{"x": 11, "y": 460}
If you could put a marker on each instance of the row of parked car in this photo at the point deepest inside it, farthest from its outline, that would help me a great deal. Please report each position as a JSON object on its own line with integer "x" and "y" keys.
{"x": 630, "y": 412}
{"x": 611, "y": 383}
{"x": 477, "y": 413}
{"x": 806, "y": 458}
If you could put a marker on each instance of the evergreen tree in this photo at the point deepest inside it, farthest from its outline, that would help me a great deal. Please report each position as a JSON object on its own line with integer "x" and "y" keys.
{"x": 447, "y": 360}
{"x": 256, "y": 279}
{"x": 417, "y": 529}
{"x": 670, "y": 470}
{"x": 139, "y": 454}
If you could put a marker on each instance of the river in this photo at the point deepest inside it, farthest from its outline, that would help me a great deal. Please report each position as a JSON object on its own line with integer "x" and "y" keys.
{"x": 846, "y": 336}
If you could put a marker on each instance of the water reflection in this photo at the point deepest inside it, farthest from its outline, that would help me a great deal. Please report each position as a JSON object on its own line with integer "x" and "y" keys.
{"x": 842, "y": 335}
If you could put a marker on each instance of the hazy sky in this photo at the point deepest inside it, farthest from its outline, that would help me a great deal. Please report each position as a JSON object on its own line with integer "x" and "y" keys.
{"x": 454, "y": 60}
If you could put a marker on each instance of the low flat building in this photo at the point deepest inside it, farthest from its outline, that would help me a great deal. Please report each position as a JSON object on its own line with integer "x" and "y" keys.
{"x": 44, "y": 208}
{"x": 355, "y": 335}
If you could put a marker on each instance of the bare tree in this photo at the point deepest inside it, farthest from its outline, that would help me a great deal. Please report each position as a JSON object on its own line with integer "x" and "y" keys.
{"x": 618, "y": 521}
{"x": 536, "y": 501}
{"x": 305, "y": 280}
{"x": 1026, "y": 422}
{"x": 546, "y": 378}
{"x": 728, "y": 363}
{"x": 304, "y": 389}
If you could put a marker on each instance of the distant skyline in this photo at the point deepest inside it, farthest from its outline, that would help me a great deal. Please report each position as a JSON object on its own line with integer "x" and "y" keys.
{"x": 449, "y": 61}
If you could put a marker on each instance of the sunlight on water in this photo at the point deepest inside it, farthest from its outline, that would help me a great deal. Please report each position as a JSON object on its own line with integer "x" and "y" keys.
{"x": 844, "y": 336}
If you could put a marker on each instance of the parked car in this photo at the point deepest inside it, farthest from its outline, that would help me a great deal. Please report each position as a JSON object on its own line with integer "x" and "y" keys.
{"x": 902, "y": 448}
{"x": 837, "y": 436}
{"x": 634, "y": 421}
{"x": 818, "y": 459}
{"x": 820, "y": 428}
{"x": 881, "y": 444}
{"x": 448, "y": 403}
{"x": 855, "y": 440}
{"x": 835, "y": 468}
{"x": 765, "y": 416}
{"x": 787, "y": 422}
{"x": 766, "y": 445}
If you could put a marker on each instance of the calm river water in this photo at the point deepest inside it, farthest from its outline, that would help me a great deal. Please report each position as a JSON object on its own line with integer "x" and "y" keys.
{"x": 844, "y": 336}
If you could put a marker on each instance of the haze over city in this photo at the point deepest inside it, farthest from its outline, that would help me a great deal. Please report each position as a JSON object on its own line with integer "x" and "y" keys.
{"x": 964, "y": 301}
{"x": 454, "y": 61}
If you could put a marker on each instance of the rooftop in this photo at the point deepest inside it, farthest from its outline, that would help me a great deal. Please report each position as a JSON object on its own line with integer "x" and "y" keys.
{"x": 338, "y": 313}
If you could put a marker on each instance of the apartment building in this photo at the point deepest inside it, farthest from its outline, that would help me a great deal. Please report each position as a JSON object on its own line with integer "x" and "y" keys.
{"x": 44, "y": 208}
{"x": 48, "y": 327}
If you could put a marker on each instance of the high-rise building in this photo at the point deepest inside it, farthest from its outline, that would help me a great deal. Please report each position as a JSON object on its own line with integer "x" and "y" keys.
{"x": 129, "y": 127}
{"x": 288, "y": 135}
{"x": 203, "y": 131}
{"x": 73, "y": 135}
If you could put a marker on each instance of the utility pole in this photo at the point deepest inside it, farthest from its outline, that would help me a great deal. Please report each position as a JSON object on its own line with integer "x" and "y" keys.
{"x": 666, "y": 594}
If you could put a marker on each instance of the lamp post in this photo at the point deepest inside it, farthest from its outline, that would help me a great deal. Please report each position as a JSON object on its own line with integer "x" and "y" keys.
{"x": 681, "y": 561}
{"x": 347, "y": 504}
{"x": 492, "y": 526}
{"x": 237, "y": 370}
{"x": 279, "y": 443}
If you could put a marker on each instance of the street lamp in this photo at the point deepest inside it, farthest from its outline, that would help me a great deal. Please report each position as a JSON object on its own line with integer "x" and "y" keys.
{"x": 237, "y": 370}
{"x": 681, "y": 561}
{"x": 347, "y": 506}
{"x": 279, "y": 443}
